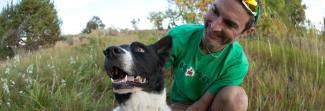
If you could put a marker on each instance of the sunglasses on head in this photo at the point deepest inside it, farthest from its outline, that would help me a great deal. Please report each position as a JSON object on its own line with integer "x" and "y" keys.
{"x": 252, "y": 7}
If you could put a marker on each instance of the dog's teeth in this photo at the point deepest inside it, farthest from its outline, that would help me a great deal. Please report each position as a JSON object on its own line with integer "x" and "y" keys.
{"x": 114, "y": 81}
{"x": 143, "y": 80}
{"x": 137, "y": 78}
{"x": 125, "y": 78}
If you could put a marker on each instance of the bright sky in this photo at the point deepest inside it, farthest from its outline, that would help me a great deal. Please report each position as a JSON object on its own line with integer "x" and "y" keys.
{"x": 119, "y": 13}
{"x": 315, "y": 12}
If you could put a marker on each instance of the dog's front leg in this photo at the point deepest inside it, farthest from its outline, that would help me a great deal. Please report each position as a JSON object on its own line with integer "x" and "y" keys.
{"x": 117, "y": 108}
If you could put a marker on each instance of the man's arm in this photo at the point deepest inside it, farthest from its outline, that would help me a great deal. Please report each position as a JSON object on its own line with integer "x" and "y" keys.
{"x": 203, "y": 103}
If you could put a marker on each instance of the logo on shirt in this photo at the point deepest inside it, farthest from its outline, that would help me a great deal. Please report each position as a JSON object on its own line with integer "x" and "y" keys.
{"x": 190, "y": 72}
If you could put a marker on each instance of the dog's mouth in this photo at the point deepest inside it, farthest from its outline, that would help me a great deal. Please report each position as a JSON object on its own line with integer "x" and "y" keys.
{"x": 123, "y": 80}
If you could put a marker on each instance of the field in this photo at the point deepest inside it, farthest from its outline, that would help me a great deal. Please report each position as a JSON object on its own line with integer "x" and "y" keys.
{"x": 285, "y": 74}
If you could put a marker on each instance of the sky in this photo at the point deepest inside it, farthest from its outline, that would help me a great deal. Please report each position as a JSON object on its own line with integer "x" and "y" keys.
{"x": 315, "y": 12}
{"x": 74, "y": 14}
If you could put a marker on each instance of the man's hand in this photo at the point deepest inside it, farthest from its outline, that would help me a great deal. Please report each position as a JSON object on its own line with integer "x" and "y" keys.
{"x": 198, "y": 106}
{"x": 202, "y": 104}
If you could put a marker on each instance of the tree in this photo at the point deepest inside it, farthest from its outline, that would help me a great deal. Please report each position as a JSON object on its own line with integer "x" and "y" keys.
{"x": 296, "y": 12}
{"x": 157, "y": 18}
{"x": 135, "y": 23}
{"x": 173, "y": 16}
{"x": 290, "y": 11}
{"x": 29, "y": 24}
{"x": 281, "y": 17}
{"x": 93, "y": 24}
{"x": 191, "y": 10}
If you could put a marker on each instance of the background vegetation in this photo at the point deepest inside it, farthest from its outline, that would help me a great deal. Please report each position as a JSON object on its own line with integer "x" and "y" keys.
{"x": 287, "y": 69}
{"x": 29, "y": 25}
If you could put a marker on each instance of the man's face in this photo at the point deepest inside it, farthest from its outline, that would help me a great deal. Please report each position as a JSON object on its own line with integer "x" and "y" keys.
{"x": 224, "y": 23}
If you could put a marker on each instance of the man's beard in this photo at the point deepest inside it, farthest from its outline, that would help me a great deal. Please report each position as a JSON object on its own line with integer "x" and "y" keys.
{"x": 212, "y": 45}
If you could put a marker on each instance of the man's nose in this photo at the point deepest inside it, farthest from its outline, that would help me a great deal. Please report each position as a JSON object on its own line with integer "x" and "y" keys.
{"x": 216, "y": 24}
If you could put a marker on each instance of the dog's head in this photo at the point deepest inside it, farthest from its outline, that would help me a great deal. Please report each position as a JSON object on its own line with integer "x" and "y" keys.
{"x": 137, "y": 66}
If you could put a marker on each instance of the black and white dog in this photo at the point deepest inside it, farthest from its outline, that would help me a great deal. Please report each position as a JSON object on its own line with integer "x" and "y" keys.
{"x": 136, "y": 74}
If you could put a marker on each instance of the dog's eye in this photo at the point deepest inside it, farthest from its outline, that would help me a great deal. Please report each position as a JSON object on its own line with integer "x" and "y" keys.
{"x": 139, "y": 50}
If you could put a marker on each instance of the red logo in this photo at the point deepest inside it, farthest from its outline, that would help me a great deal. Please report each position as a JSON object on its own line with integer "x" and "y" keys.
{"x": 190, "y": 72}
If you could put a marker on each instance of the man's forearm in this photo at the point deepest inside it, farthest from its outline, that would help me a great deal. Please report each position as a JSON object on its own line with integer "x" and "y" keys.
{"x": 207, "y": 98}
{"x": 203, "y": 103}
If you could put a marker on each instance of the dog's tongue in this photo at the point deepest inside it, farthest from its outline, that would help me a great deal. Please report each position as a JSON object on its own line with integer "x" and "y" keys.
{"x": 130, "y": 78}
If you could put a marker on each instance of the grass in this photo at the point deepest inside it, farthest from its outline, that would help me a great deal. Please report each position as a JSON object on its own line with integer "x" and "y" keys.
{"x": 283, "y": 75}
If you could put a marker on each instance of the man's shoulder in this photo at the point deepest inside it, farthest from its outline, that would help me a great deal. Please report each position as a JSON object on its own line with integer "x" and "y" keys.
{"x": 190, "y": 26}
{"x": 185, "y": 29}
{"x": 237, "y": 52}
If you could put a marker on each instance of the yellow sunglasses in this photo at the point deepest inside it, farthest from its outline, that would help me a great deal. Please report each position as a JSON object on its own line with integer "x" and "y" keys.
{"x": 251, "y": 6}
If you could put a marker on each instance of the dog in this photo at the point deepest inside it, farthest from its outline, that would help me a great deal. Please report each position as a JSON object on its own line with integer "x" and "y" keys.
{"x": 136, "y": 73}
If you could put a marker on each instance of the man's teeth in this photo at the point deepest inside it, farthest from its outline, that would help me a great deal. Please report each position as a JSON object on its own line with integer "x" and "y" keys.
{"x": 130, "y": 79}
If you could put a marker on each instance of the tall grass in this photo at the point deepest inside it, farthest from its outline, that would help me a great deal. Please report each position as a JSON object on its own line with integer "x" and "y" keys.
{"x": 66, "y": 78}
{"x": 284, "y": 75}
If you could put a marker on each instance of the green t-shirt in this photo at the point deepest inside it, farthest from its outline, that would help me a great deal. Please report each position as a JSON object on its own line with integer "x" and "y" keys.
{"x": 196, "y": 72}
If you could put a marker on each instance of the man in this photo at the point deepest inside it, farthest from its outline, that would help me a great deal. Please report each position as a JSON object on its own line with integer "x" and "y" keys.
{"x": 208, "y": 63}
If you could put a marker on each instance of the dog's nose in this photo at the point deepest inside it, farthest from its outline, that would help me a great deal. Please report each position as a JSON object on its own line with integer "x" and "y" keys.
{"x": 113, "y": 51}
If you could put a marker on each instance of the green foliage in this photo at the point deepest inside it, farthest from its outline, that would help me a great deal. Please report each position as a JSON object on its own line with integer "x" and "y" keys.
{"x": 281, "y": 17}
{"x": 157, "y": 19}
{"x": 6, "y": 52}
{"x": 93, "y": 24}
{"x": 188, "y": 11}
{"x": 29, "y": 24}
{"x": 191, "y": 10}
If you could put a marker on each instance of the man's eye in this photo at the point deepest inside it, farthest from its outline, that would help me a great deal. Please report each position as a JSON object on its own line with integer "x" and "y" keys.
{"x": 231, "y": 24}
{"x": 139, "y": 50}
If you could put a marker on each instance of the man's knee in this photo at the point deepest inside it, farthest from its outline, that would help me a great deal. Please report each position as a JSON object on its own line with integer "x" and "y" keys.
{"x": 230, "y": 98}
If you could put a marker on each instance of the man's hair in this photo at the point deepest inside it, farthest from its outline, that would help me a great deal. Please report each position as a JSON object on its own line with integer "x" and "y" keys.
{"x": 252, "y": 22}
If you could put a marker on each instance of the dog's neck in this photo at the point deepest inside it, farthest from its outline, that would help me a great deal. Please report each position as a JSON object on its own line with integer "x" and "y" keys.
{"x": 143, "y": 101}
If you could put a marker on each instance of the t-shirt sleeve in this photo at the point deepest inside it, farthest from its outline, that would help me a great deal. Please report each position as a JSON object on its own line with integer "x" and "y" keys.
{"x": 232, "y": 76}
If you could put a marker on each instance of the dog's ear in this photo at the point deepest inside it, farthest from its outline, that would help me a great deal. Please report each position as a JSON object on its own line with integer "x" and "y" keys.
{"x": 105, "y": 52}
{"x": 163, "y": 48}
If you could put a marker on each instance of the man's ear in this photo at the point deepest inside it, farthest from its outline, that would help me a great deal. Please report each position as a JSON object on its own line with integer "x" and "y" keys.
{"x": 247, "y": 32}
{"x": 163, "y": 48}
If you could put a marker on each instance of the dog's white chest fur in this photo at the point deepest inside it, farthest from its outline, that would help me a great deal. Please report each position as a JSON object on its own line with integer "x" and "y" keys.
{"x": 144, "y": 101}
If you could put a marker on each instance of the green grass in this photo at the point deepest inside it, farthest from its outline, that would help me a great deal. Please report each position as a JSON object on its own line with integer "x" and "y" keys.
{"x": 283, "y": 75}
